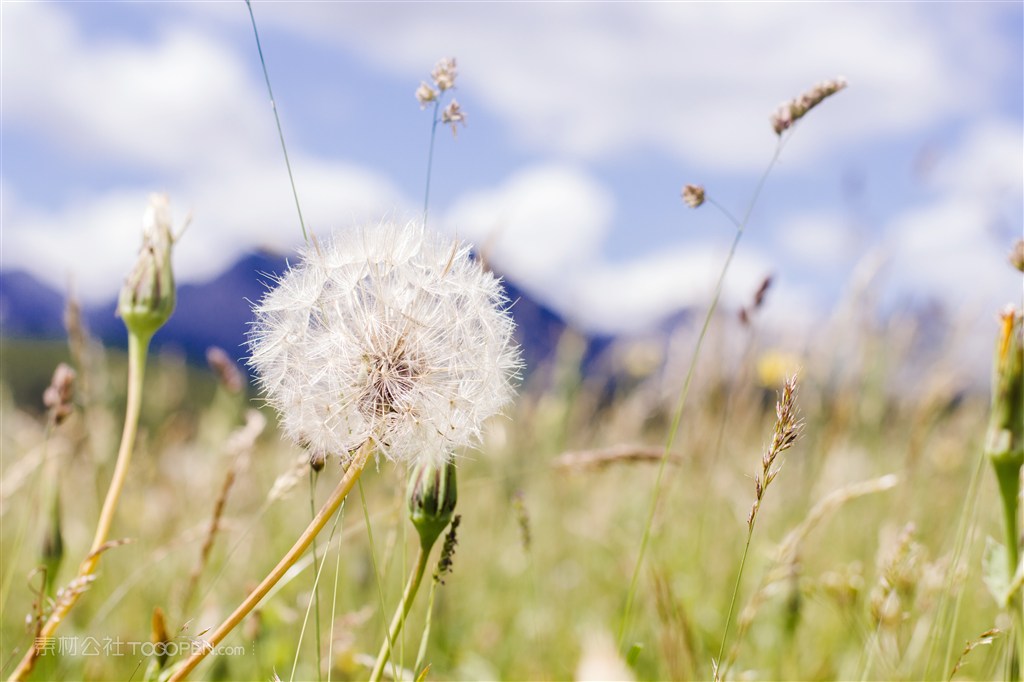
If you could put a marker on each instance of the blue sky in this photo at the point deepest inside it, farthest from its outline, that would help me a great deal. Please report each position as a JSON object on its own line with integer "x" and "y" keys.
{"x": 584, "y": 121}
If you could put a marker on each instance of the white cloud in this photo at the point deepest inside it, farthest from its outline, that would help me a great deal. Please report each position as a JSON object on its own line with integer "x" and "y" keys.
{"x": 539, "y": 224}
{"x": 987, "y": 163}
{"x": 820, "y": 242}
{"x": 696, "y": 80}
{"x": 181, "y": 100}
{"x": 183, "y": 105}
{"x": 634, "y": 296}
{"x": 945, "y": 252}
{"x": 693, "y": 80}
{"x": 954, "y": 249}
{"x": 94, "y": 240}
{"x": 544, "y": 228}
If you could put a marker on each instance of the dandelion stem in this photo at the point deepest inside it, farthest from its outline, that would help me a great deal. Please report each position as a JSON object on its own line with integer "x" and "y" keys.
{"x": 138, "y": 347}
{"x": 277, "y": 119}
{"x": 677, "y": 417}
{"x": 355, "y": 468}
{"x": 411, "y": 588}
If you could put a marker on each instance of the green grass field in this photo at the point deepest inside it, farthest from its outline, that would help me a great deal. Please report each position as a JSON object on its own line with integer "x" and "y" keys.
{"x": 871, "y": 589}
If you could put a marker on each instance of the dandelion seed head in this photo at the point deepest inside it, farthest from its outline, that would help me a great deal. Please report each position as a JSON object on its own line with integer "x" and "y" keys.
{"x": 390, "y": 334}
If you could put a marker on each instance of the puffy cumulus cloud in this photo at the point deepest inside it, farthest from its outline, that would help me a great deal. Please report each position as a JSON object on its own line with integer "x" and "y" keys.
{"x": 986, "y": 163}
{"x": 181, "y": 100}
{"x": 180, "y": 104}
{"x": 954, "y": 248}
{"x": 639, "y": 294}
{"x": 91, "y": 244}
{"x": 697, "y": 80}
{"x": 538, "y": 226}
{"x": 819, "y": 242}
{"x": 93, "y": 240}
{"x": 544, "y": 228}
{"x": 946, "y": 252}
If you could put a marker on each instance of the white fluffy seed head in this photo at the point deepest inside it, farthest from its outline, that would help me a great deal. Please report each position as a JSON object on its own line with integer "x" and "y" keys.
{"x": 390, "y": 334}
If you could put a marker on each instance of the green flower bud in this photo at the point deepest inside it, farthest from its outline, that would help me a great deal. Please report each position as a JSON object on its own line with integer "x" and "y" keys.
{"x": 147, "y": 297}
{"x": 1004, "y": 442}
{"x": 432, "y": 497}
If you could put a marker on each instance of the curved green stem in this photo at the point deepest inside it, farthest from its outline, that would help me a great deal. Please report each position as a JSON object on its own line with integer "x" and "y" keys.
{"x": 138, "y": 348}
{"x": 411, "y": 587}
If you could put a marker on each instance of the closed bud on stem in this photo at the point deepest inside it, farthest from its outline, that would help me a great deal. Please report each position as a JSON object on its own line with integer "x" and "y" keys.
{"x": 147, "y": 297}
{"x": 1004, "y": 443}
{"x": 432, "y": 496}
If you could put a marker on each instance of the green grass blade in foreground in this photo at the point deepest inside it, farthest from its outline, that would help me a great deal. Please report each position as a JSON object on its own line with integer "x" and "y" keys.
{"x": 277, "y": 120}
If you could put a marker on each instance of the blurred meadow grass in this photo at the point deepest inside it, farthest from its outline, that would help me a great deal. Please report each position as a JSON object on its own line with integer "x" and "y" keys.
{"x": 867, "y": 561}
{"x": 546, "y": 546}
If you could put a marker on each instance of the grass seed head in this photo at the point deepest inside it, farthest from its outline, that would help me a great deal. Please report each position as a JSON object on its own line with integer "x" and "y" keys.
{"x": 425, "y": 95}
{"x": 225, "y": 368}
{"x": 693, "y": 195}
{"x": 392, "y": 335}
{"x": 59, "y": 395}
{"x": 792, "y": 111}
{"x": 444, "y": 74}
{"x": 453, "y": 115}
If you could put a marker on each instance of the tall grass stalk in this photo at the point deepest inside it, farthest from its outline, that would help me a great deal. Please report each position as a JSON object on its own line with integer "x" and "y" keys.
{"x": 741, "y": 226}
{"x": 430, "y": 157}
{"x": 333, "y": 503}
{"x": 314, "y": 600}
{"x": 277, "y": 120}
{"x": 313, "y": 478}
{"x": 965, "y": 526}
{"x": 787, "y": 430}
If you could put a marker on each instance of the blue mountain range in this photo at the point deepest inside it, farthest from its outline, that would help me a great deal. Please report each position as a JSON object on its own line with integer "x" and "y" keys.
{"x": 218, "y": 312}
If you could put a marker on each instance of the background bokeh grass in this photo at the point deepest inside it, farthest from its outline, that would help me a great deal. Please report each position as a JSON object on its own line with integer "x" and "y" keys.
{"x": 546, "y": 551}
